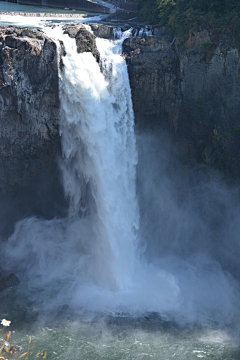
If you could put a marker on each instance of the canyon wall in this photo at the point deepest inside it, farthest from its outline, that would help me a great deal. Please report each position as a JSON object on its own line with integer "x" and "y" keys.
{"x": 29, "y": 115}
{"x": 191, "y": 89}
{"x": 188, "y": 88}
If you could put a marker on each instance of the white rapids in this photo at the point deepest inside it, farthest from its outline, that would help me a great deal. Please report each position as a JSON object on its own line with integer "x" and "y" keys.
{"x": 99, "y": 153}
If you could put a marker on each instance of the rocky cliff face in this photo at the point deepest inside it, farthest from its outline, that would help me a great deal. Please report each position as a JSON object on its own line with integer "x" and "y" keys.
{"x": 191, "y": 89}
{"x": 29, "y": 115}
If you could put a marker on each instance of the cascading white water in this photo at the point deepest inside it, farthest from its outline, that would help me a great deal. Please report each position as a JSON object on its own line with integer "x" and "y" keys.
{"x": 99, "y": 152}
{"x": 145, "y": 32}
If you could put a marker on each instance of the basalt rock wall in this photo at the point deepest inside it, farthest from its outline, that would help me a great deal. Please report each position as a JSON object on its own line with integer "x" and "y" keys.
{"x": 192, "y": 90}
{"x": 29, "y": 117}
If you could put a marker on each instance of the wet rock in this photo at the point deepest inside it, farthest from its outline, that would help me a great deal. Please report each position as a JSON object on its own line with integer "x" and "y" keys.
{"x": 85, "y": 40}
{"x": 102, "y": 31}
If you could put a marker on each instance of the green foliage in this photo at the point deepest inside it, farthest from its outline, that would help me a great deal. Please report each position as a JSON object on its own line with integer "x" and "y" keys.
{"x": 183, "y": 15}
{"x": 165, "y": 9}
{"x": 149, "y": 11}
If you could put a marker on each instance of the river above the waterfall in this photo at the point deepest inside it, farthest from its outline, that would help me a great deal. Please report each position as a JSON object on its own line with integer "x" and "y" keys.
{"x": 14, "y": 7}
{"x": 34, "y": 16}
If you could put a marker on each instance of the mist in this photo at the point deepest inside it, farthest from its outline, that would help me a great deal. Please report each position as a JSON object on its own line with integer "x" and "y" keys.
{"x": 187, "y": 259}
{"x": 185, "y": 209}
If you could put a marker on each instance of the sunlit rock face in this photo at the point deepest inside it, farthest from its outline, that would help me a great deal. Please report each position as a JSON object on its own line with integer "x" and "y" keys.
{"x": 29, "y": 105}
{"x": 29, "y": 113}
{"x": 192, "y": 89}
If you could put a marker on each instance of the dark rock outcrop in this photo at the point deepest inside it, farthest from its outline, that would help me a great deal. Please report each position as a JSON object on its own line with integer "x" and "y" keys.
{"x": 191, "y": 89}
{"x": 29, "y": 116}
{"x": 85, "y": 40}
{"x": 103, "y": 31}
{"x": 154, "y": 79}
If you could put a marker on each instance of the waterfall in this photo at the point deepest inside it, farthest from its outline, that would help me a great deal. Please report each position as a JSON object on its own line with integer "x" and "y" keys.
{"x": 94, "y": 249}
{"x": 99, "y": 152}
{"x": 90, "y": 260}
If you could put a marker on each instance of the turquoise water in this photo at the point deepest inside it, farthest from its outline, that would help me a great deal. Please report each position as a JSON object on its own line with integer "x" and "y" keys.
{"x": 7, "y": 6}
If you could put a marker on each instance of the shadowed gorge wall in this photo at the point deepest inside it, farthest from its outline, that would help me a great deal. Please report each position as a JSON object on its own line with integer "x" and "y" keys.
{"x": 191, "y": 89}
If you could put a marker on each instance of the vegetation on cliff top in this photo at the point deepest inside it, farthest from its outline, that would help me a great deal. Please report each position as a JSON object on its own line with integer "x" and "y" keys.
{"x": 183, "y": 15}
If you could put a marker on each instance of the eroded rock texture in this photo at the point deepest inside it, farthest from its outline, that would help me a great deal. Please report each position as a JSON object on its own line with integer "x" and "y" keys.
{"x": 103, "y": 31}
{"x": 29, "y": 115}
{"x": 191, "y": 89}
{"x": 85, "y": 40}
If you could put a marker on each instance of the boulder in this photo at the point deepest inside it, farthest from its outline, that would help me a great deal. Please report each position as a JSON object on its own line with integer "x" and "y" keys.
{"x": 103, "y": 31}
{"x": 85, "y": 40}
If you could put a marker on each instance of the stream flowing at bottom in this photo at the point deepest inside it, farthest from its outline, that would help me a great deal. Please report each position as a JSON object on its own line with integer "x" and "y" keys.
{"x": 99, "y": 284}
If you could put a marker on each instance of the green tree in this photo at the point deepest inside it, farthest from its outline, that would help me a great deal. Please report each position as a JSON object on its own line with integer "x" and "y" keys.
{"x": 182, "y": 15}
{"x": 149, "y": 10}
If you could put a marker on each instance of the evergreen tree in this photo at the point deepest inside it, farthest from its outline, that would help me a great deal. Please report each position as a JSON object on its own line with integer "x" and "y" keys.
{"x": 182, "y": 15}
